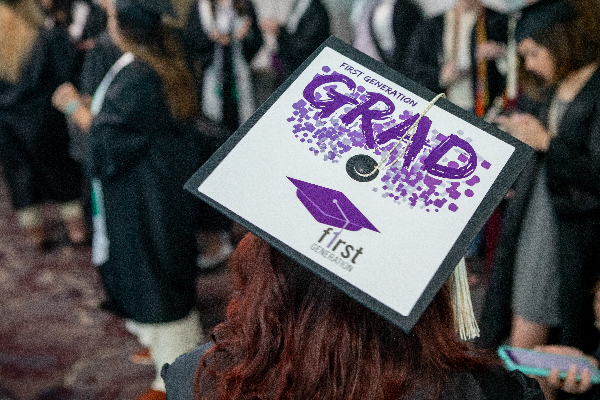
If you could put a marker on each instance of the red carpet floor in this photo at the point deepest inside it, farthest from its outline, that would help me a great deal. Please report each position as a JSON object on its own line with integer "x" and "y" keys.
{"x": 55, "y": 342}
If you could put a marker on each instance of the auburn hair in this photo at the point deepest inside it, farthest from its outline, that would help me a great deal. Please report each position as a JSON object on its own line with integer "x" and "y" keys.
{"x": 290, "y": 335}
{"x": 158, "y": 45}
{"x": 572, "y": 44}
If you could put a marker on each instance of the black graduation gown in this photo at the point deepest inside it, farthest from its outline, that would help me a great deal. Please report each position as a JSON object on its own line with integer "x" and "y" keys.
{"x": 201, "y": 48}
{"x": 572, "y": 166}
{"x": 313, "y": 28}
{"x": 426, "y": 50}
{"x": 34, "y": 141}
{"x": 495, "y": 384}
{"x": 406, "y": 17}
{"x": 139, "y": 157}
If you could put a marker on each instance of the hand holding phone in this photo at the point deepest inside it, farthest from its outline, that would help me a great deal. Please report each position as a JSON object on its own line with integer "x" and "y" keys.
{"x": 571, "y": 383}
{"x": 563, "y": 369}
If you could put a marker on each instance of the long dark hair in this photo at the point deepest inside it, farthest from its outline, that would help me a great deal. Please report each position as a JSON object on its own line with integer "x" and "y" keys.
{"x": 290, "y": 335}
{"x": 572, "y": 44}
{"x": 159, "y": 46}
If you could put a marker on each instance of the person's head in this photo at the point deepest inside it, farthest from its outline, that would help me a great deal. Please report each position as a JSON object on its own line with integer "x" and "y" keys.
{"x": 136, "y": 26}
{"x": 556, "y": 38}
{"x": 128, "y": 22}
{"x": 290, "y": 334}
{"x": 59, "y": 10}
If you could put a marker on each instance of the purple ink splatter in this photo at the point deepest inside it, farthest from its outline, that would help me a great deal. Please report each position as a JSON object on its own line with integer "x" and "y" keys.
{"x": 331, "y": 139}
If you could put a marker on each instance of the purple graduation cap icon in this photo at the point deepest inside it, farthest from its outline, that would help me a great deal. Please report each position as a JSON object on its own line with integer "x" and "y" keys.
{"x": 331, "y": 207}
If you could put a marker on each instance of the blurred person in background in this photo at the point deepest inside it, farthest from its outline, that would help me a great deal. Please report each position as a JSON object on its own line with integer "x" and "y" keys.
{"x": 306, "y": 27}
{"x": 34, "y": 142}
{"x": 459, "y": 53}
{"x": 228, "y": 31}
{"x": 145, "y": 223}
{"x": 547, "y": 257}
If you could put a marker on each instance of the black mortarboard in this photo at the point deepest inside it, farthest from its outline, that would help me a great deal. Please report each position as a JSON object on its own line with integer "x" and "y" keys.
{"x": 542, "y": 14}
{"x": 300, "y": 173}
{"x": 145, "y": 11}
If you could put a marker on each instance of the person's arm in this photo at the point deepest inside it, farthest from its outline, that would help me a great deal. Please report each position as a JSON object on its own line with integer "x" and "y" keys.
{"x": 573, "y": 163}
{"x": 570, "y": 384}
{"x": 67, "y": 100}
{"x": 527, "y": 129}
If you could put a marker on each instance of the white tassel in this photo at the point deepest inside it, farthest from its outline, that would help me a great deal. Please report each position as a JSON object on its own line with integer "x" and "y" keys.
{"x": 464, "y": 317}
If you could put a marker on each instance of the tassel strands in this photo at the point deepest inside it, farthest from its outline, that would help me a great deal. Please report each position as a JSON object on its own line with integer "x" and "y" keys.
{"x": 462, "y": 307}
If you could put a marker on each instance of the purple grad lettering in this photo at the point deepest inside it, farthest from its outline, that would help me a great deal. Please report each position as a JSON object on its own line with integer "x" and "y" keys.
{"x": 335, "y": 100}
{"x": 432, "y": 165}
{"x": 369, "y": 115}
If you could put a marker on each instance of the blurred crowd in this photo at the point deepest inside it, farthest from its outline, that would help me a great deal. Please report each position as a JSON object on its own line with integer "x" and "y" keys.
{"x": 108, "y": 106}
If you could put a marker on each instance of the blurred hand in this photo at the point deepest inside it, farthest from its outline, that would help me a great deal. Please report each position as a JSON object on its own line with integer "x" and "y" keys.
{"x": 270, "y": 26}
{"x": 449, "y": 74}
{"x": 86, "y": 45}
{"x": 526, "y": 128}
{"x": 220, "y": 38}
{"x": 490, "y": 50}
{"x": 243, "y": 31}
{"x": 569, "y": 384}
{"x": 64, "y": 95}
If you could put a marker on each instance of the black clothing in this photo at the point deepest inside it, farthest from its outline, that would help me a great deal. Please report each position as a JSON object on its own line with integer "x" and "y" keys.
{"x": 425, "y": 53}
{"x": 34, "y": 141}
{"x": 313, "y": 28}
{"x": 202, "y": 50}
{"x": 97, "y": 62}
{"x": 406, "y": 16}
{"x": 573, "y": 165}
{"x": 138, "y": 154}
{"x": 493, "y": 385}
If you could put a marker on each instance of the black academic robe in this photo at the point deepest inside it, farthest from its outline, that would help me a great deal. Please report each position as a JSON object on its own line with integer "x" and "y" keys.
{"x": 200, "y": 48}
{"x": 313, "y": 28}
{"x": 425, "y": 52}
{"x": 572, "y": 169}
{"x": 495, "y": 384}
{"x": 34, "y": 141}
{"x": 406, "y": 17}
{"x": 138, "y": 154}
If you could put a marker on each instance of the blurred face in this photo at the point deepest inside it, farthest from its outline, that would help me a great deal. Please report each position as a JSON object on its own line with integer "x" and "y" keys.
{"x": 46, "y": 4}
{"x": 537, "y": 59}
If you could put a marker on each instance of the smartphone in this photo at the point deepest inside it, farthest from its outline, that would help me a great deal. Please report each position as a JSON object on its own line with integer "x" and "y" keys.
{"x": 538, "y": 363}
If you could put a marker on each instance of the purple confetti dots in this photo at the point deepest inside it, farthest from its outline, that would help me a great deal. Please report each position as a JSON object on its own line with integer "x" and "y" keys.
{"x": 473, "y": 181}
{"x": 439, "y": 203}
{"x": 407, "y": 185}
{"x": 452, "y": 192}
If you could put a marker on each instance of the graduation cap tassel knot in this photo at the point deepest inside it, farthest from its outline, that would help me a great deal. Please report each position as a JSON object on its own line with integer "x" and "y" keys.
{"x": 462, "y": 308}
{"x": 408, "y": 136}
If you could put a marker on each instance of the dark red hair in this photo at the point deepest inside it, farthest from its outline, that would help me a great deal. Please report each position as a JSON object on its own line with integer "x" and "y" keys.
{"x": 290, "y": 335}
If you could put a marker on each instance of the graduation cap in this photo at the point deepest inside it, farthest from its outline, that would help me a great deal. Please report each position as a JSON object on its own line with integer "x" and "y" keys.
{"x": 541, "y": 15}
{"x": 147, "y": 12}
{"x": 350, "y": 169}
